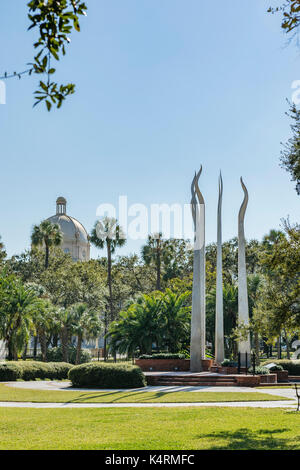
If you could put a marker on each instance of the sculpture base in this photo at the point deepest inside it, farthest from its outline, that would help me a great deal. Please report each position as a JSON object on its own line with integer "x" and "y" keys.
{"x": 206, "y": 365}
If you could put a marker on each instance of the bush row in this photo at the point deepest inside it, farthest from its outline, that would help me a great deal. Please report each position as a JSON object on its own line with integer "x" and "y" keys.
{"x": 56, "y": 355}
{"x": 293, "y": 367}
{"x": 98, "y": 375}
{"x": 229, "y": 363}
{"x": 162, "y": 356}
{"x": 259, "y": 370}
{"x": 31, "y": 370}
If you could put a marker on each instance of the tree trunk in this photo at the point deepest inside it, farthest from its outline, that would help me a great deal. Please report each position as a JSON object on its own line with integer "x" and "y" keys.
{"x": 25, "y": 352}
{"x": 158, "y": 265}
{"x": 256, "y": 341}
{"x": 64, "y": 343}
{"x": 78, "y": 351}
{"x": 109, "y": 280}
{"x": 35, "y": 342}
{"x": 288, "y": 353}
{"x": 43, "y": 343}
{"x": 55, "y": 340}
{"x": 279, "y": 347}
{"x": 105, "y": 332}
{"x": 46, "y": 256}
{"x": 10, "y": 355}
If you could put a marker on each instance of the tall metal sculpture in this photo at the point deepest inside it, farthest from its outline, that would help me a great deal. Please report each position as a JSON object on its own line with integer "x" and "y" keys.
{"x": 198, "y": 297}
{"x": 219, "y": 328}
{"x": 243, "y": 308}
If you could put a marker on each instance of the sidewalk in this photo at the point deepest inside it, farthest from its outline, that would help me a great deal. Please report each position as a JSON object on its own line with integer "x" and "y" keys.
{"x": 65, "y": 386}
{"x": 245, "y": 404}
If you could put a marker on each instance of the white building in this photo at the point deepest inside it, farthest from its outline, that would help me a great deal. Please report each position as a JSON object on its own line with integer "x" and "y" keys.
{"x": 75, "y": 237}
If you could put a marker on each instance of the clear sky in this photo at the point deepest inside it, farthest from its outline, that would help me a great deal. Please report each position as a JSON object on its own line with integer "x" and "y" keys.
{"x": 162, "y": 87}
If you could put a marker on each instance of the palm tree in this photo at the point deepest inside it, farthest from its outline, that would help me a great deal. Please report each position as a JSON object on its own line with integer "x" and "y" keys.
{"x": 44, "y": 324}
{"x": 46, "y": 234}
{"x": 65, "y": 320}
{"x": 152, "y": 253}
{"x": 2, "y": 251}
{"x": 138, "y": 328}
{"x": 108, "y": 233}
{"x": 175, "y": 320}
{"x": 17, "y": 307}
{"x": 230, "y": 302}
{"x": 87, "y": 325}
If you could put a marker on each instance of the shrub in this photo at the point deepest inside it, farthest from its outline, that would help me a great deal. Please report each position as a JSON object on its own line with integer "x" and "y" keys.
{"x": 32, "y": 370}
{"x": 292, "y": 366}
{"x": 162, "y": 356}
{"x": 60, "y": 370}
{"x": 56, "y": 355}
{"x": 9, "y": 372}
{"x": 97, "y": 375}
{"x": 229, "y": 363}
{"x": 275, "y": 368}
{"x": 259, "y": 370}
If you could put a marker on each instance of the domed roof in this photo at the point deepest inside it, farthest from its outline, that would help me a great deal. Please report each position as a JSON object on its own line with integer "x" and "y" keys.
{"x": 71, "y": 228}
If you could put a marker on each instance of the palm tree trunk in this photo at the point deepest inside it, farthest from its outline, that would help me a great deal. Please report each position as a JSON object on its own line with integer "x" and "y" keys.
{"x": 46, "y": 256}
{"x": 78, "y": 351}
{"x": 105, "y": 333}
{"x": 64, "y": 343}
{"x": 288, "y": 353}
{"x": 256, "y": 342}
{"x": 158, "y": 265}
{"x": 279, "y": 347}
{"x": 109, "y": 279}
{"x": 10, "y": 350}
{"x": 43, "y": 344}
{"x": 55, "y": 340}
{"x": 35, "y": 342}
{"x": 111, "y": 308}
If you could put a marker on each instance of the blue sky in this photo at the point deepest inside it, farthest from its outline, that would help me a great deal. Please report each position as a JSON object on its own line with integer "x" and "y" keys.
{"x": 162, "y": 87}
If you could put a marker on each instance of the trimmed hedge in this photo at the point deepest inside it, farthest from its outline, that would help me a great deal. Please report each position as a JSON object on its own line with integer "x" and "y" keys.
{"x": 99, "y": 375}
{"x": 9, "y": 372}
{"x": 162, "y": 356}
{"x": 229, "y": 363}
{"x": 56, "y": 355}
{"x": 31, "y": 370}
{"x": 293, "y": 367}
{"x": 259, "y": 370}
{"x": 275, "y": 368}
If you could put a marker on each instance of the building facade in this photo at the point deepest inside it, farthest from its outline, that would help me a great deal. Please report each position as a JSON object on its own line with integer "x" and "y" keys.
{"x": 75, "y": 237}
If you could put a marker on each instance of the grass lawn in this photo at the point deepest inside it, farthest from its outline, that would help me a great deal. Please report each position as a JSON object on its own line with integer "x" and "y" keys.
{"x": 150, "y": 429}
{"x": 278, "y": 388}
{"x": 43, "y": 396}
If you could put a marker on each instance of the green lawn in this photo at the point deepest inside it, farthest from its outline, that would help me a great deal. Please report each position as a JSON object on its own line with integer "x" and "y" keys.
{"x": 42, "y": 396}
{"x": 277, "y": 387}
{"x": 150, "y": 428}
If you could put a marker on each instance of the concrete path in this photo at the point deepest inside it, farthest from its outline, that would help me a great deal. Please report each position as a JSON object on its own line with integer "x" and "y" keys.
{"x": 245, "y": 404}
{"x": 65, "y": 386}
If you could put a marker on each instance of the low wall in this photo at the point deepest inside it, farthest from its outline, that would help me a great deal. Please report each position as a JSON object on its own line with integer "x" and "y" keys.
{"x": 247, "y": 380}
{"x": 169, "y": 365}
{"x": 282, "y": 375}
{"x": 268, "y": 379}
{"x": 163, "y": 365}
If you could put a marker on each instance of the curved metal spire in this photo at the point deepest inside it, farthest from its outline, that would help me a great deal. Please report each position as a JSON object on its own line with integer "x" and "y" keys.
{"x": 195, "y": 190}
{"x": 199, "y": 194}
{"x": 244, "y": 203}
{"x": 220, "y": 191}
{"x": 194, "y": 200}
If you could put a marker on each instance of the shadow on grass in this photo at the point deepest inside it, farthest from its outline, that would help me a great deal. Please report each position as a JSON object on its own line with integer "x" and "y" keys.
{"x": 93, "y": 396}
{"x": 244, "y": 438}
